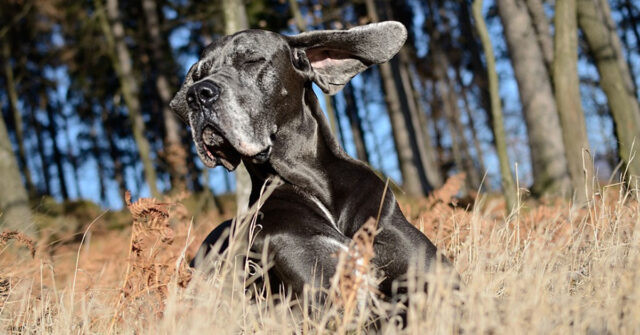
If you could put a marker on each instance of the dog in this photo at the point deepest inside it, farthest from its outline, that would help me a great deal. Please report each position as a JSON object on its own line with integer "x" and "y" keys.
{"x": 249, "y": 98}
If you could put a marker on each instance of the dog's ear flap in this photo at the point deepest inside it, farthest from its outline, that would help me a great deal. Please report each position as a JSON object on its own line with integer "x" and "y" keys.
{"x": 336, "y": 56}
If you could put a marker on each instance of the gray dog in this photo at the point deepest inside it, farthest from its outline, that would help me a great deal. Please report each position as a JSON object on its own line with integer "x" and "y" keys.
{"x": 249, "y": 99}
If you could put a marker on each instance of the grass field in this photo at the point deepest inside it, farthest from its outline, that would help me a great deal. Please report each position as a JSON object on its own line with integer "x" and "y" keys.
{"x": 546, "y": 268}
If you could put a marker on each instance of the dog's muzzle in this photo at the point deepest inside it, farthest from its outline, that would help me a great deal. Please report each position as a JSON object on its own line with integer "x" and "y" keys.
{"x": 213, "y": 145}
{"x": 214, "y": 149}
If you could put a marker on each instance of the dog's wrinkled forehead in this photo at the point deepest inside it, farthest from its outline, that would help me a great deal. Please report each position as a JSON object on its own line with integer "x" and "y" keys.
{"x": 233, "y": 49}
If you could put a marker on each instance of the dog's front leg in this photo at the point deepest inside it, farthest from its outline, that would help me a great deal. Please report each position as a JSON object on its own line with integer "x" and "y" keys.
{"x": 305, "y": 258}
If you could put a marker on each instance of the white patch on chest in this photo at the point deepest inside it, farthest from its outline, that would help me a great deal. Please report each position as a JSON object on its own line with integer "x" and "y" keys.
{"x": 326, "y": 212}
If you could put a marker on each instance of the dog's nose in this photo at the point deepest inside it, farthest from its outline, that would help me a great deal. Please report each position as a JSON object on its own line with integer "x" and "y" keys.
{"x": 205, "y": 93}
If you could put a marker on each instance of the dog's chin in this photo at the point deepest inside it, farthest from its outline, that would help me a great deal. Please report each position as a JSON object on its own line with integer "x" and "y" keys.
{"x": 215, "y": 150}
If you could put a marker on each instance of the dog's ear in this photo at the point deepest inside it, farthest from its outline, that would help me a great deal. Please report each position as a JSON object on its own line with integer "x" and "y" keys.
{"x": 335, "y": 56}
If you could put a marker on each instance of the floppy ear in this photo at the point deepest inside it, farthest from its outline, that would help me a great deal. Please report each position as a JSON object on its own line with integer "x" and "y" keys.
{"x": 336, "y": 56}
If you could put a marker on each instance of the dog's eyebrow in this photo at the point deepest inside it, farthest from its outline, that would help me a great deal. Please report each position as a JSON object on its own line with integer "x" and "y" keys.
{"x": 202, "y": 66}
{"x": 244, "y": 45}
{"x": 197, "y": 71}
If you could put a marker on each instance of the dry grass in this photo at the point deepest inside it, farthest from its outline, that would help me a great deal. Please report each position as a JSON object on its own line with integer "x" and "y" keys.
{"x": 547, "y": 268}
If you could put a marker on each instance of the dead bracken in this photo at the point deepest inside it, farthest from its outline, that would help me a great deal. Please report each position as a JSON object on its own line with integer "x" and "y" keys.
{"x": 573, "y": 268}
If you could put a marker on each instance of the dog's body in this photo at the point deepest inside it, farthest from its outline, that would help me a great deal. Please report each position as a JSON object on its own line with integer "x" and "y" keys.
{"x": 249, "y": 98}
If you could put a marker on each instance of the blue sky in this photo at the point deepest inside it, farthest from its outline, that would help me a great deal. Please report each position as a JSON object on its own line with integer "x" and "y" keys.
{"x": 378, "y": 130}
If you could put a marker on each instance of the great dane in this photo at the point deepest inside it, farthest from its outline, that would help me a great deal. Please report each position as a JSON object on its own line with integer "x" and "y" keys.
{"x": 249, "y": 98}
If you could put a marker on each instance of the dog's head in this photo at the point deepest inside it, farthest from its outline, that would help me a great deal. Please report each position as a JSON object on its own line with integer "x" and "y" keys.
{"x": 246, "y": 85}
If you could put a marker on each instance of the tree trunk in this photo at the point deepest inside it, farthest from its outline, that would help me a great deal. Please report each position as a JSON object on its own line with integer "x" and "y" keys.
{"x": 472, "y": 126}
{"x": 209, "y": 200}
{"x": 194, "y": 172}
{"x": 174, "y": 151}
{"x": 594, "y": 19}
{"x": 443, "y": 162}
{"x": 355, "y": 122}
{"x": 543, "y": 32}
{"x": 57, "y": 155}
{"x": 302, "y": 27}
{"x": 420, "y": 134}
{"x": 567, "y": 92}
{"x": 235, "y": 16}
{"x": 548, "y": 160}
{"x": 113, "y": 30}
{"x": 235, "y": 19}
{"x": 37, "y": 127}
{"x": 432, "y": 169}
{"x": 629, "y": 51}
{"x": 96, "y": 151}
{"x": 508, "y": 187}
{"x": 114, "y": 153}
{"x": 443, "y": 93}
{"x": 473, "y": 176}
{"x": 369, "y": 124}
{"x": 450, "y": 99}
{"x": 634, "y": 26}
{"x": 459, "y": 147}
{"x": 17, "y": 116}
{"x": 333, "y": 110}
{"x": 73, "y": 160}
{"x": 14, "y": 203}
{"x": 480, "y": 79}
{"x": 414, "y": 181}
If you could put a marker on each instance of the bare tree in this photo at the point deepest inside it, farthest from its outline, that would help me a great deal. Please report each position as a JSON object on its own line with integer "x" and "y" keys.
{"x": 508, "y": 186}
{"x": 113, "y": 30}
{"x": 114, "y": 153}
{"x": 37, "y": 127}
{"x": 567, "y": 92}
{"x": 174, "y": 151}
{"x": 594, "y": 19}
{"x": 543, "y": 32}
{"x": 409, "y": 161}
{"x": 467, "y": 110}
{"x": 449, "y": 97}
{"x": 548, "y": 160}
{"x": 355, "y": 122}
{"x": 427, "y": 164}
{"x": 14, "y": 203}
{"x": 431, "y": 169}
{"x": 15, "y": 111}
{"x": 53, "y": 132}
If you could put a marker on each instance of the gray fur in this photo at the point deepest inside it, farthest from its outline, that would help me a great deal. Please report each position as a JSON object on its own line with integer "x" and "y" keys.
{"x": 267, "y": 115}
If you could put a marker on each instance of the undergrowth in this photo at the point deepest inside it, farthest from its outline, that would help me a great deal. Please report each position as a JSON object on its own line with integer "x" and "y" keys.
{"x": 547, "y": 267}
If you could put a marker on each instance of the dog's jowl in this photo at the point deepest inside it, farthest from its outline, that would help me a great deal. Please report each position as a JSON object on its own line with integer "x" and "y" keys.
{"x": 249, "y": 98}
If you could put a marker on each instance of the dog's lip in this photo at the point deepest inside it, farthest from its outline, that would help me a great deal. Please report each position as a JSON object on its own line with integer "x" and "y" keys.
{"x": 206, "y": 155}
{"x": 262, "y": 157}
{"x": 223, "y": 155}
{"x": 210, "y": 146}
{"x": 216, "y": 141}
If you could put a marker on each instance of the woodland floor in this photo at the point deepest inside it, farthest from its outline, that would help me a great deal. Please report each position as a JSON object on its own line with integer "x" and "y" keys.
{"x": 546, "y": 268}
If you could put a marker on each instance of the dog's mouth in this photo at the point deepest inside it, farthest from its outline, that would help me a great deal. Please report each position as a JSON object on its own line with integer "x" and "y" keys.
{"x": 214, "y": 149}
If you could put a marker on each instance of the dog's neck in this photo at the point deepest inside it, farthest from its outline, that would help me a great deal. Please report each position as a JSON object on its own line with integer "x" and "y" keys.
{"x": 307, "y": 156}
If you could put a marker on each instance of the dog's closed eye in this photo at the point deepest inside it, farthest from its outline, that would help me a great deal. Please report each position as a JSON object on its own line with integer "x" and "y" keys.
{"x": 253, "y": 61}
